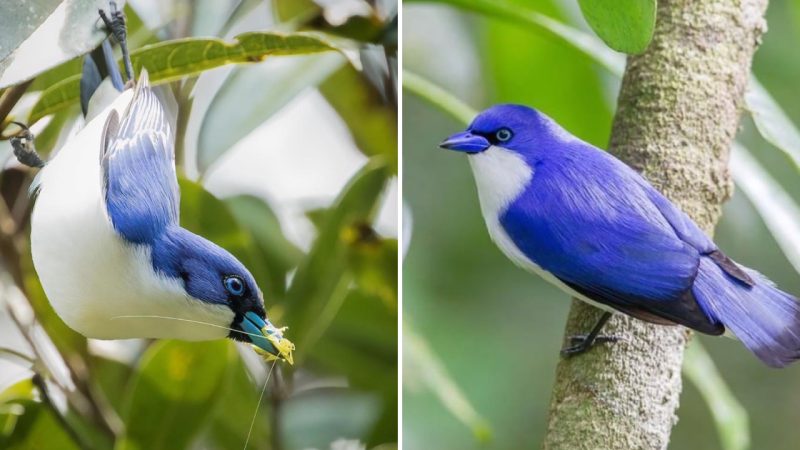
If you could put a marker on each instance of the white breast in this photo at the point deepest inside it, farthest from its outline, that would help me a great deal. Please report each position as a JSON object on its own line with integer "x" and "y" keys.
{"x": 501, "y": 176}
{"x": 90, "y": 275}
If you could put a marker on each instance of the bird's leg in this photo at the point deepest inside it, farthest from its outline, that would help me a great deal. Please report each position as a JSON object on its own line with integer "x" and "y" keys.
{"x": 24, "y": 149}
{"x": 116, "y": 25}
{"x": 584, "y": 342}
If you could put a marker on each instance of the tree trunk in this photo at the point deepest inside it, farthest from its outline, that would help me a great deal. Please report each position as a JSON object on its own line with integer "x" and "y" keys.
{"x": 678, "y": 112}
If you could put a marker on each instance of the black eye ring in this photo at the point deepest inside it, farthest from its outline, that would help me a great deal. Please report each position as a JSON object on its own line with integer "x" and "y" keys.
{"x": 234, "y": 284}
{"x": 503, "y": 135}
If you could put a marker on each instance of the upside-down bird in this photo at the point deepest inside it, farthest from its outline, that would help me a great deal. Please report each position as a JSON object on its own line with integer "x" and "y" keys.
{"x": 105, "y": 236}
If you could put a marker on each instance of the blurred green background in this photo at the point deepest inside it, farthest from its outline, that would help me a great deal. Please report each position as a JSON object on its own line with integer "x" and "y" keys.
{"x": 495, "y": 329}
{"x": 290, "y": 163}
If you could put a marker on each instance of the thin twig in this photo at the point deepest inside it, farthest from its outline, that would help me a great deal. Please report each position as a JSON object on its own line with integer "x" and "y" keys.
{"x": 40, "y": 384}
{"x": 184, "y": 100}
{"x": 100, "y": 412}
{"x": 19, "y": 355}
{"x": 10, "y": 99}
{"x": 276, "y": 397}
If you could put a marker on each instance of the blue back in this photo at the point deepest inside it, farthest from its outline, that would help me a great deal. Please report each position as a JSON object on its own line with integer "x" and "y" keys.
{"x": 138, "y": 160}
{"x": 597, "y": 225}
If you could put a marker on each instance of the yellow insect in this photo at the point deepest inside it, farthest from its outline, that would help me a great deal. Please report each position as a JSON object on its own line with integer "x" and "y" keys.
{"x": 284, "y": 346}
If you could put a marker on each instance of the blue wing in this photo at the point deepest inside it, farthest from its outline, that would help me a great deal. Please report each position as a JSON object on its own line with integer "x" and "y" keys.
{"x": 599, "y": 227}
{"x": 138, "y": 164}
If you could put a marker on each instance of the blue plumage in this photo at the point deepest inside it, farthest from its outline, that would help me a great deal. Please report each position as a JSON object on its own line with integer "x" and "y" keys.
{"x": 140, "y": 207}
{"x": 105, "y": 234}
{"x": 600, "y": 228}
{"x": 201, "y": 264}
{"x": 141, "y": 194}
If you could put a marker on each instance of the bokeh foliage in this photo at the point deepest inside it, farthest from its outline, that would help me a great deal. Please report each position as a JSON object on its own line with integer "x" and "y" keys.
{"x": 338, "y": 297}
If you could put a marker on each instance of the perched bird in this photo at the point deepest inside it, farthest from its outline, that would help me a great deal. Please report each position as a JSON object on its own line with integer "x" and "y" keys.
{"x": 107, "y": 244}
{"x": 586, "y": 222}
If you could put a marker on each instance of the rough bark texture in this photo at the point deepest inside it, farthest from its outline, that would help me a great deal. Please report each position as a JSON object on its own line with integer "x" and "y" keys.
{"x": 678, "y": 112}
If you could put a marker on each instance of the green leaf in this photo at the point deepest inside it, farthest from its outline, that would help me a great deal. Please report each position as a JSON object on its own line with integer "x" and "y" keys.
{"x": 772, "y": 123}
{"x": 58, "y": 127}
{"x": 360, "y": 28}
{"x": 321, "y": 281}
{"x": 175, "y": 59}
{"x": 57, "y": 97}
{"x": 289, "y": 10}
{"x": 508, "y": 51}
{"x": 208, "y": 216}
{"x": 438, "y": 97}
{"x": 279, "y": 255}
{"x": 57, "y": 74}
{"x": 422, "y": 368}
{"x": 316, "y": 418}
{"x": 111, "y": 377}
{"x": 138, "y": 36}
{"x": 173, "y": 393}
{"x": 358, "y": 345}
{"x": 228, "y": 429}
{"x": 625, "y": 25}
{"x": 729, "y": 415}
{"x": 534, "y": 21}
{"x": 250, "y": 95}
{"x": 316, "y": 216}
{"x": 776, "y": 207}
{"x": 36, "y": 428}
{"x": 374, "y": 263}
{"x": 38, "y": 35}
{"x": 372, "y": 122}
{"x": 19, "y": 391}
{"x": 20, "y": 20}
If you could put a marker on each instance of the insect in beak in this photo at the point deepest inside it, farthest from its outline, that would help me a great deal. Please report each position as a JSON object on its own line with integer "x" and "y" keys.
{"x": 266, "y": 339}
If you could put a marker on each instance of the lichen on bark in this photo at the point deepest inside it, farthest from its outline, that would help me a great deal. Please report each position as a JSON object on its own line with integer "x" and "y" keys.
{"x": 678, "y": 112}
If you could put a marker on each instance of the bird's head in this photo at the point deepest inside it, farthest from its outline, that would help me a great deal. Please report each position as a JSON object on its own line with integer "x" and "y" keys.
{"x": 513, "y": 127}
{"x": 210, "y": 274}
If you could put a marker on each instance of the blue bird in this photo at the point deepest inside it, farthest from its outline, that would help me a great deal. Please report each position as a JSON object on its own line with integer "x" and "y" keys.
{"x": 106, "y": 240}
{"x": 586, "y": 222}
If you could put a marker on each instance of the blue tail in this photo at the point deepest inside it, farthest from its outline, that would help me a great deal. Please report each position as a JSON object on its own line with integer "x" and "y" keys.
{"x": 765, "y": 319}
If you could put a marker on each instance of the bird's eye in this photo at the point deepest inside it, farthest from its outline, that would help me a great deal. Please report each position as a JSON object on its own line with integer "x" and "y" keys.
{"x": 234, "y": 285}
{"x": 503, "y": 134}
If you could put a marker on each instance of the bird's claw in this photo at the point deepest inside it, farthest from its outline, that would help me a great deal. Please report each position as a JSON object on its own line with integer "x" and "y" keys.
{"x": 115, "y": 23}
{"x": 24, "y": 150}
{"x": 582, "y": 343}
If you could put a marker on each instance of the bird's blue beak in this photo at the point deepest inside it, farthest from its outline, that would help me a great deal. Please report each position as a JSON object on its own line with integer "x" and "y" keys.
{"x": 267, "y": 339}
{"x": 466, "y": 142}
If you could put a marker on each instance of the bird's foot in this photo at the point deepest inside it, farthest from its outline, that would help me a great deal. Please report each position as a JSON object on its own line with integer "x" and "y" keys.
{"x": 24, "y": 149}
{"x": 115, "y": 23}
{"x": 583, "y": 342}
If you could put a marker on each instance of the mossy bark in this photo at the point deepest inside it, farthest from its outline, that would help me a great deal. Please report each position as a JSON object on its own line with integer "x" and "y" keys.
{"x": 678, "y": 112}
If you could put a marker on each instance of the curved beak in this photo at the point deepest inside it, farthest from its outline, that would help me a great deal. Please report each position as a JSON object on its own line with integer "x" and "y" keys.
{"x": 466, "y": 142}
{"x": 266, "y": 339}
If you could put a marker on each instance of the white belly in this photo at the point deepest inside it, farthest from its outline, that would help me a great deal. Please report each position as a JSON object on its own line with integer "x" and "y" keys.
{"x": 501, "y": 176}
{"x": 90, "y": 275}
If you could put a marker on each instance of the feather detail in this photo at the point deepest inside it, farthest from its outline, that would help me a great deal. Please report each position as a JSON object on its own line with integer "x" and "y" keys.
{"x": 138, "y": 164}
{"x": 763, "y": 317}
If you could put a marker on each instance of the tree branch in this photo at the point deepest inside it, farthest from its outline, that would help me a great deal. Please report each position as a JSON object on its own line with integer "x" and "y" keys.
{"x": 10, "y": 98}
{"x": 71, "y": 431}
{"x": 679, "y": 109}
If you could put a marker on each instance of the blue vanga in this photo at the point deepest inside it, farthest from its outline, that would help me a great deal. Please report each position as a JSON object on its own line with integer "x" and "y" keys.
{"x": 584, "y": 220}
